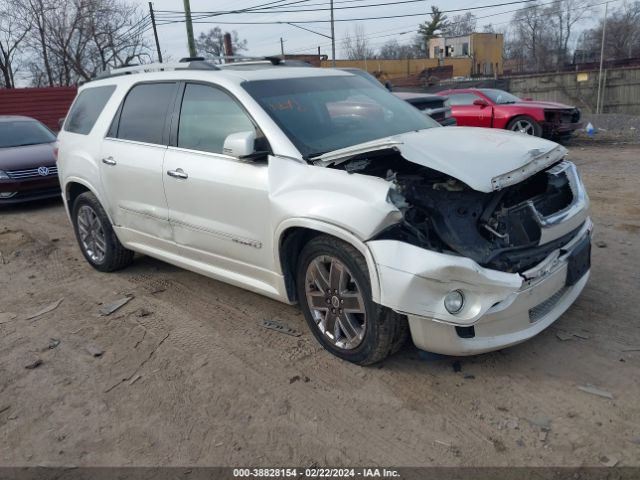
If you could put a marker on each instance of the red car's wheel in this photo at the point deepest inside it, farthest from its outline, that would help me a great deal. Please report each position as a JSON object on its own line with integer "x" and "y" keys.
{"x": 526, "y": 125}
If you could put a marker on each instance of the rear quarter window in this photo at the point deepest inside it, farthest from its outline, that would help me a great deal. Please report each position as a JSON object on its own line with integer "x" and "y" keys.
{"x": 87, "y": 108}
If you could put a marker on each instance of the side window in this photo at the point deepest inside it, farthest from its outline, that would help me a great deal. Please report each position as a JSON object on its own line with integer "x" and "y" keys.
{"x": 145, "y": 111}
{"x": 207, "y": 116}
{"x": 87, "y": 108}
{"x": 462, "y": 98}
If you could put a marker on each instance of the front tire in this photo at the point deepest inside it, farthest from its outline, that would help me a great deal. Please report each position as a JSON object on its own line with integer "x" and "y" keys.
{"x": 334, "y": 292}
{"x": 526, "y": 125}
{"x": 95, "y": 235}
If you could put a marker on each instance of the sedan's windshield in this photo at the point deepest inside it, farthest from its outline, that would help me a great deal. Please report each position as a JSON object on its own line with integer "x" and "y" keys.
{"x": 500, "y": 96}
{"x": 322, "y": 114}
{"x": 24, "y": 132}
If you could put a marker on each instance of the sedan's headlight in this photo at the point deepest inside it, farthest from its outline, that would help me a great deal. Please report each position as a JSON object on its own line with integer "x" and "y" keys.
{"x": 4, "y": 175}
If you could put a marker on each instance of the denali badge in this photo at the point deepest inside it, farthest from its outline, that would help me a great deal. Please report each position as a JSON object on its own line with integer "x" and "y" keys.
{"x": 43, "y": 171}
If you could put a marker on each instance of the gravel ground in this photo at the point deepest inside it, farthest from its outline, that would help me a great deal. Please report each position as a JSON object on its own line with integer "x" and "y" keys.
{"x": 610, "y": 128}
{"x": 184, "y": 373}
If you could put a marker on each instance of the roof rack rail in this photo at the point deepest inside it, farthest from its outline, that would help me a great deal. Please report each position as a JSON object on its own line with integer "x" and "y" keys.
{"x": 275, "y": 60}
{"x": 184, "y": 64}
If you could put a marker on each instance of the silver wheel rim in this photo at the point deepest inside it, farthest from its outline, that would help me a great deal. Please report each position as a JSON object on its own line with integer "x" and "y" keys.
{"x": 336, "y": 302}
{"x": 524, "y": 126}
{"x": 91, "y": 232}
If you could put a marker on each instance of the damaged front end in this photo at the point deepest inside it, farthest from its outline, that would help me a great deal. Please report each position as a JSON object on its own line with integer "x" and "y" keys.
{"x": 510, "y": 230}
{"x": 505, "y": 232}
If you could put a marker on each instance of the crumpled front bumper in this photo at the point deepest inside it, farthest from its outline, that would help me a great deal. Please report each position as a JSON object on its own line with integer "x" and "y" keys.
{"x": 501, "y": 309}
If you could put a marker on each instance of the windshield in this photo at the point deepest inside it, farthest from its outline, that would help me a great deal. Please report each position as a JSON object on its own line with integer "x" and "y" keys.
{"x": 500, "y": 96}
{"x": 17, "y": 133}
{"x": 322, "y": 114}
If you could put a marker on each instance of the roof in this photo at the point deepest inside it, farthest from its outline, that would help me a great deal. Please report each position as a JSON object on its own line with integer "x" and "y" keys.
{"x": 226, "y": 75}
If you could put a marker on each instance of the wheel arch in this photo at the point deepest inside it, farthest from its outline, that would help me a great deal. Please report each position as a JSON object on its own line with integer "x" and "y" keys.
{"x": 293, "y": 234}
{"x": 74, "y": 187}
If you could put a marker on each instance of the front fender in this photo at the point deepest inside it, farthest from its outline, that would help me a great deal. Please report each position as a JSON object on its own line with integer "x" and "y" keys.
{"x": 335, "y": 231}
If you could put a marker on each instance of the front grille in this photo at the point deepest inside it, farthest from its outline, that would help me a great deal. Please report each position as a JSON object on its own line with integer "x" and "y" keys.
{"x": 33, "y": 172}
{"x": 540, "y": 310}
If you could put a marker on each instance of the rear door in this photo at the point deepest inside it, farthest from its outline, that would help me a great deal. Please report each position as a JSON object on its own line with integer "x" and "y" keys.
{"x": 132, "y": 156}
{"x": 467, "y": 114}
{"x": 218, "y": 204}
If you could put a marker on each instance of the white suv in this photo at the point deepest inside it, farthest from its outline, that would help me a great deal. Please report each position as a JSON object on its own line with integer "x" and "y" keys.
{"x": 313, "y": 186}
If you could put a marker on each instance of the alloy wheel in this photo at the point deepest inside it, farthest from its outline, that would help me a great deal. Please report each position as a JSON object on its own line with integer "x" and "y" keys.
{"x": 92, "y": 235}
{"x": 336, "y": 302}
{"x": 524, "y": 126}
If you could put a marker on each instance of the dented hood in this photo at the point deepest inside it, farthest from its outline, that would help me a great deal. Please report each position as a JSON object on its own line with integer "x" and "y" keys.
{"x": 485, "y": 159}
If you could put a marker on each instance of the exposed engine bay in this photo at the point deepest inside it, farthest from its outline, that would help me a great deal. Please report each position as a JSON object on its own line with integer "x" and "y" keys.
{"x": 501, "y": 230}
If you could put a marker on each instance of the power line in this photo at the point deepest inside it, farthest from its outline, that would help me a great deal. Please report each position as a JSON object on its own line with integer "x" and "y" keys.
{"x": 386, "y": 4}
{"x": 375, "y": 36}
{"x": 386, "y": 17}
{"x": 203, "y": 15}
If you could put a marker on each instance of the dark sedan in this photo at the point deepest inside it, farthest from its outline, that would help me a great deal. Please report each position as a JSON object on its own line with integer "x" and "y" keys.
{"x": 27, "y": 160}
{"x": 431, "y": 105}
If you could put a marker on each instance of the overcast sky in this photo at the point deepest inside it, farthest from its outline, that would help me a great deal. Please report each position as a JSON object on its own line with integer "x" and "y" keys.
{"x": 265, "y": 39}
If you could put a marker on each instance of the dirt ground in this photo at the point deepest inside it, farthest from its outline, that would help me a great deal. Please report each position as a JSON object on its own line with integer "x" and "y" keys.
{"x": 189, "y": 376}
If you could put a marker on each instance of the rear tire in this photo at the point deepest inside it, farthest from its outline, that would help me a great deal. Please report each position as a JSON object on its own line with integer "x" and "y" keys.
{"x": 95, "y": 235}
{"x": 334, "y": 292}
{"x": 525, "y": 124}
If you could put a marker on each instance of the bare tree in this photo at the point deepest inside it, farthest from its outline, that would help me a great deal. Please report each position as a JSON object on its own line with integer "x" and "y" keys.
{"x": 623, "y": 34}
{"x": 357, "y": 47}
{"x": 212, "y": 42}
{"x": 460, "y": 25}
{"x": 393, "y": 50}
{"x": 529, "y": 39}
{"x": 73, "y": 40}
{"x": 12, "y": 35}
{"x": 561, "y": 18}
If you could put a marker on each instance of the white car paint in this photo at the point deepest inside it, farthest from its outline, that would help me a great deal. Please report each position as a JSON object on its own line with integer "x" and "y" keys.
{"x": 480, "y": 157}
{"x": 227, "y": 220}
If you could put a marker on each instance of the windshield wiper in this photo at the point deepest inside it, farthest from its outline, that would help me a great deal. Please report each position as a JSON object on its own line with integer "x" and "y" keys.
{"x": 25, "y": 144}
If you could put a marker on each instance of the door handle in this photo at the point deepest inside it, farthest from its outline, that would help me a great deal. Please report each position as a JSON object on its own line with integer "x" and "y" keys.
{"x": 177, "y": 173}
{"x": 109, "y": 161}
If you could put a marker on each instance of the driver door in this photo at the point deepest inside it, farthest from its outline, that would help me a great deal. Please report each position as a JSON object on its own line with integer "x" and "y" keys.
{"x": 218, "y": 204}
{"x": 469, "y": 115}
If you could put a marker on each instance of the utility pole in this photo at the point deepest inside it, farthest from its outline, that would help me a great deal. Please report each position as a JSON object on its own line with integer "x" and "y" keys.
{"x": 282, "y": 47}
{"x": 604, "y": 33}
{"x": 187, "y": 18}
{"x": 333, "y": 39}
{"x": 155, "y": 32}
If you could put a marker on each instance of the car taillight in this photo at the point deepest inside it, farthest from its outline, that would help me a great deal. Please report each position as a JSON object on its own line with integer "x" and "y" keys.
{"x": 55, "y": 153}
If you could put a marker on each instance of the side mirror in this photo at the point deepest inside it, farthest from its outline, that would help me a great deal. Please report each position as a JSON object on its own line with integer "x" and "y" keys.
{"x": 481, "y": 102}
{"x": 240, "y": 145}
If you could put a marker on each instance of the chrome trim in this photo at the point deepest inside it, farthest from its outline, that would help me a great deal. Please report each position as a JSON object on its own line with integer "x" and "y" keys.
{"x": 248, "y": 242}
{"x": 561, "y": 223}
{"x": 539, "y": 161}
{"x": 136, "y": 142}
{"x": 178, "y": 173}
{"x": 31, "y": 172}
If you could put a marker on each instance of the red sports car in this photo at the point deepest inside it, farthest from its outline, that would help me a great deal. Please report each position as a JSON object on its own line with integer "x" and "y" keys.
{"x": 491, "y": 108}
